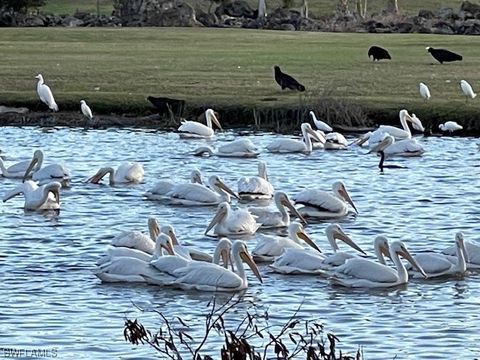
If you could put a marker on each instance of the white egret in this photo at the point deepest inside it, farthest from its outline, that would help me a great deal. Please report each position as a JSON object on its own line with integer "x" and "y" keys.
{"x": 243, "y": 148}
{"x": 361, "y": 272}
{"x": 86, "y": 111}
{"x": 324, "y": 205}
{"x": 227, "y": 222}
{"x": 212, "y": 277}
{"x": 257, "y": 187}
{"x": 280, "y": 218}
{"x": 161, "y": 188}
{"x": 44, "y": 197}
{"x": 127, "y": 173}
{"x": 467, "y": 90}
{"x": 424, "y": 91}
{"x": 292, "y": 145}
{"x": 322, "y": 126}
{"x": 197, "y": 130}
{"x": 45, "y": 94}
{"x": 450, "y": 126}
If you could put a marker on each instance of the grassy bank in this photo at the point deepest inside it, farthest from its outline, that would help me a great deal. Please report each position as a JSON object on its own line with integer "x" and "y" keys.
{"x": 115, "y": 69}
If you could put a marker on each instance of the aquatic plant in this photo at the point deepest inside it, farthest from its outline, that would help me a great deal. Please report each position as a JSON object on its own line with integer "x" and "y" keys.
{"x": 251, "y": 338}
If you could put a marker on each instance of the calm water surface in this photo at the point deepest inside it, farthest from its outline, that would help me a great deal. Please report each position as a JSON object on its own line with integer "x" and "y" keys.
{"x": 51, "y": 299}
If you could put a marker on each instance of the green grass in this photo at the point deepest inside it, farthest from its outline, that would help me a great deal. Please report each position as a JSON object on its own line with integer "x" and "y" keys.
{"x": 317, "y": 8}
{"x": 115, "y": 69}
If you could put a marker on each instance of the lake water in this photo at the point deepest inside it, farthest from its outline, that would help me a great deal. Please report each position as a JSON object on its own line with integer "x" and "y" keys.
{"x": 51, "y": 299}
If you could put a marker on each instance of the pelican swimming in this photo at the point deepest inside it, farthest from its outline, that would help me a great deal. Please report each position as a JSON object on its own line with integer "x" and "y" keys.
{"x": 232, "y": 222}
{"x": 467, "y": 90}
{"x": 257, "y": 187}
{"x": 127, "y": 173}
{"x": 389, "y": 147}
{"x": 424, "y": 91}
{"x": 450, "y": 126}
{"x": 17, "y": 170}
{"x": 45, "y": 94}
{"x": 161, "y": 188}
{"x": 280, "y": 218}
{"x": 138, "y": 240}
{"x": 44, "y": 197}
{"x": 182, "y": 250}
{"x": 199, "y": 195}
{"x": 269, "y": 247}
{"x": 335, "y": 141}
{"x": 437, "y": 264}
{"x": 322, "y": 126}
{"x": 292, "y": 145}
{"x": 473, "y": 252}
{"x": 196, "y": 130}
{"x": 44, "y": 174}
{"x": 212, "y": 277}
{"x": 361, "y": 272}
{"x": 295, "y": 261}
{"x": 243, "y": 148}
{"x": 324, "y": 205}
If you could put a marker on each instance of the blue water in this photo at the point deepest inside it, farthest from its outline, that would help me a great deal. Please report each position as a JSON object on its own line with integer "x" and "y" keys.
{"x": 50, "y": 298}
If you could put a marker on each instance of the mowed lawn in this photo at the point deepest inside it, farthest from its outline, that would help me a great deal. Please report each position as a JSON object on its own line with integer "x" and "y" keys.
{"x": 115, "y": 69}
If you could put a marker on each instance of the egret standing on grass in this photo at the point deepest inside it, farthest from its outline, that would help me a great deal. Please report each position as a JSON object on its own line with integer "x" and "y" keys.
{"x": 424, "y": 91}
{"x": 86, "y": 111}
{"x": 45, "y": 94}
{"x": 450, "y": 126}
{"x": 467, "y": 90}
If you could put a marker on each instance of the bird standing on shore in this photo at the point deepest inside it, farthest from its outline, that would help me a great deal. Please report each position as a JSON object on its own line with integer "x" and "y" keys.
{"x": 424, "y": 91}
{"x": 286, "y": 81}
{"x": 378, "y": 53}
{"x": 443, "y": 55}
{"x": 45, "y": 94}
{"x": 467, "y": 90}
{"x": 450, "y": 126}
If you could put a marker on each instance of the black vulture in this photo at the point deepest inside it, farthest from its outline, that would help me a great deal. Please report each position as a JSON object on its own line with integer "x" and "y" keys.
{"x": 286, "y": 81}
{"x": 378, "y": 53}
{"x": 443, "y": 55}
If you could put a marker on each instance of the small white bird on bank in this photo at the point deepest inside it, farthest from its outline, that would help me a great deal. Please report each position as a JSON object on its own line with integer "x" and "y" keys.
{"x": 467, "y": 90}
{"x": 424, "y": 91}
{"x": 86, "y": 111}
{"x": 450, "y": 126}
{"x": 45, "y": 94}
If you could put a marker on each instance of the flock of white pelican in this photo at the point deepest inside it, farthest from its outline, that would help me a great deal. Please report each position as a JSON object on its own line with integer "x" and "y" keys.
{"x": 159, "y": 258}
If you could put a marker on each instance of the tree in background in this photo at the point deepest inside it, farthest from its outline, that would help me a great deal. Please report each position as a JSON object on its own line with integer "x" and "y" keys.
{"x": 16, "y": 6}
{"x": 391, "y": 7}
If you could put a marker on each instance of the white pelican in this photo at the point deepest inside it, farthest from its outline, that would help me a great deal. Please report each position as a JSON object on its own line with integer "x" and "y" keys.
{"x": 424, "y": 91}
{"x": 450, "y": 126}
{"x": 196, "y": 130}
{"x": 86, "y": 111}
{"x": 322, "y": 126}
{"x": 473, "y": 252}
{"x": 18, "y": 170}
{"x": 379, "y": 134}
{"x": 361, "y": 272}
{"x": 389, "y": 147}
{"x": 44, "y": 197}
{"x": 280, "y": 218}
{"x": 45, "y": 94}
{"x": 167, "y": 265}
{"x": 335, "y": 141}
{"x": 467, "y": 90}
{"x": 257, "y": 187}
{"x": 137, "y": 240}
{"x": 295, "y": 261}
{"x": 436, "y": 265}
{"x": 200, "y": 195}
{"x": 212, "y": 277}
{"x": 243, "y": 148}
{"x": 417, "y": 123}
{"x": 127, "y": 173}
{"x": 324, "y": 205}
{"x": 131, "y": 269}
{"x": 161, "y": 188}
{"x": 292, "y": 145}
{"x": 47, "y": 173}
{"x": 232, "y": 222}
{"x": 269, "y": 247}
{"x": 183, "y": 250}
